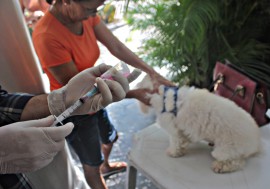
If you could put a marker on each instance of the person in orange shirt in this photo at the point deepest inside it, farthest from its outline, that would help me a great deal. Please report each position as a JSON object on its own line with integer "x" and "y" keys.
{"x": 65, "y": 40}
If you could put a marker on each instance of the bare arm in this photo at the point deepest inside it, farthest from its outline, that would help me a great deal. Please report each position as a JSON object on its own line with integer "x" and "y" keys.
{"x": 64, "y": 72}
{"x": 109, "y": 91}
{"x": 36, "y": 108}
{"x": 119, "y": 50}
{"x": 140, "y": 94}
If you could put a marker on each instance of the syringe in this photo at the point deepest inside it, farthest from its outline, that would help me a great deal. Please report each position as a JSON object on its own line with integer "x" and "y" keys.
{"x": 121, "y": 67}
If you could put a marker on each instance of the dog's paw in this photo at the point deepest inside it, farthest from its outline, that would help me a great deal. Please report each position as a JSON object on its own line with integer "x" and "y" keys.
{"x": 228, "y": 166}
{"x": 218, "y": 167}
{"x": 174, "y": 153}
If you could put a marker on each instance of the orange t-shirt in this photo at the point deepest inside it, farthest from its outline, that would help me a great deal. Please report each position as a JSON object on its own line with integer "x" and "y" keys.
{"x": 56, "y": 45}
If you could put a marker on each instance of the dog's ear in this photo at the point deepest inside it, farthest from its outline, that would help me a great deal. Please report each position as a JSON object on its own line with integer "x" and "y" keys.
{"x": 161, "y": 90}
{"x": 145, "y": 83}
{"x": 145, "y": 108}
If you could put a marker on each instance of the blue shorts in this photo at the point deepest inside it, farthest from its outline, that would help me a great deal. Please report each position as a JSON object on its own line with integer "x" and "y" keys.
{"x": 89, "y": 133}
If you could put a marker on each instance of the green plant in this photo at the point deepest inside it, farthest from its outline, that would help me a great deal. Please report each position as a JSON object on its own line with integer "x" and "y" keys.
{"x": 189, "y": 36}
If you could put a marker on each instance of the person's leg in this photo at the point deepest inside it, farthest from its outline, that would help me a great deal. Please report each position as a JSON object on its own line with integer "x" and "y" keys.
{"x": 106, "y": 149}
{"x": 108, "y": 136}
{"x": 86, "y": 143}
{"x": 93, "y": 177}
{"x": 107, "y": 169}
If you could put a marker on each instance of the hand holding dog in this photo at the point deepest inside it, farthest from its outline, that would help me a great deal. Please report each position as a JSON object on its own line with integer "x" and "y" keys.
{"x": 158, "y": 80}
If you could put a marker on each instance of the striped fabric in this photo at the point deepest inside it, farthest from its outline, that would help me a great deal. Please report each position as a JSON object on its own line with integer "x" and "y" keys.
{"x": 11, "y": 106}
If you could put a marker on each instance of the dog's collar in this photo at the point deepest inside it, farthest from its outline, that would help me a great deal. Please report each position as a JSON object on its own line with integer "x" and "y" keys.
{"x": 175, "y": 89}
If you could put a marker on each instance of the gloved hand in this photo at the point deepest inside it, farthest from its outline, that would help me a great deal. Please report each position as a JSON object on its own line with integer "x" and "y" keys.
{"x": 109, "y": 90}
{"x": 30, "y": 145}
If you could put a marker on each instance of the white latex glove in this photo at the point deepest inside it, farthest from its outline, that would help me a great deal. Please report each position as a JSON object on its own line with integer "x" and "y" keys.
{"x": 109, "y": 90}
{"x": 30, "y": 145}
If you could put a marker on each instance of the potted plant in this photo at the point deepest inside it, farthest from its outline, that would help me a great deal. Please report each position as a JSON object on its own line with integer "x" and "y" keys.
{"x": 189, "y": 36}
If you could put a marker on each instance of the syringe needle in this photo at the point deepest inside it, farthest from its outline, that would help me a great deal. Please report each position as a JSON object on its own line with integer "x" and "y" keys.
{"x": 76, "y": 105}
{"x": 121, "y": 67}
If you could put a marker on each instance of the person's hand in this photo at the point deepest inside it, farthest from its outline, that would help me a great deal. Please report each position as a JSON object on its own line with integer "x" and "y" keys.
{"x": 158, "y": 80}
{"x": 149, "y": 85}
{"x": 109, "y": 91}
{"x": 141, "y": 94}
{"x": 30, "y": 145}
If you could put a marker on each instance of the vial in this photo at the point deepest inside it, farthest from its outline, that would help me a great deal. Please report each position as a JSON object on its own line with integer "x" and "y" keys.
{"x": 121, "y": 67}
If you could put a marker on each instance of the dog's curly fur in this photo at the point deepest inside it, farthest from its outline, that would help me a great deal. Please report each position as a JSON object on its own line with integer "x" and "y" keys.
{"x": 202, "y": 115}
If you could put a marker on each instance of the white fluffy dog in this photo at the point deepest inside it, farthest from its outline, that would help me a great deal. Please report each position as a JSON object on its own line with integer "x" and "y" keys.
{"x": 191, "y": 115}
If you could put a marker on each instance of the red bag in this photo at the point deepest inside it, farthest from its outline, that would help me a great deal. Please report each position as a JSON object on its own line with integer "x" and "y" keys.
{"x": 246, "y": 91}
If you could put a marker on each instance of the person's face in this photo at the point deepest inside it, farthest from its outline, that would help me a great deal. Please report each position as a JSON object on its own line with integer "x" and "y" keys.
{"x": 81, "y": 10}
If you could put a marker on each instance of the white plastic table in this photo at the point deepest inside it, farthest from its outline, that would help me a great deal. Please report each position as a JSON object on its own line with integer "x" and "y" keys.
{"x": 192, "y": 171}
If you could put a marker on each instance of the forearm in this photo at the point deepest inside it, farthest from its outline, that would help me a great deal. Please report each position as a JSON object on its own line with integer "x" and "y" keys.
{"x": 126, "y": 55}
{"x": 140, "y": 94}
{"x": 131, "y": 94}
{"x": 36, "y": 108}
{"x": 64, "y": 72}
